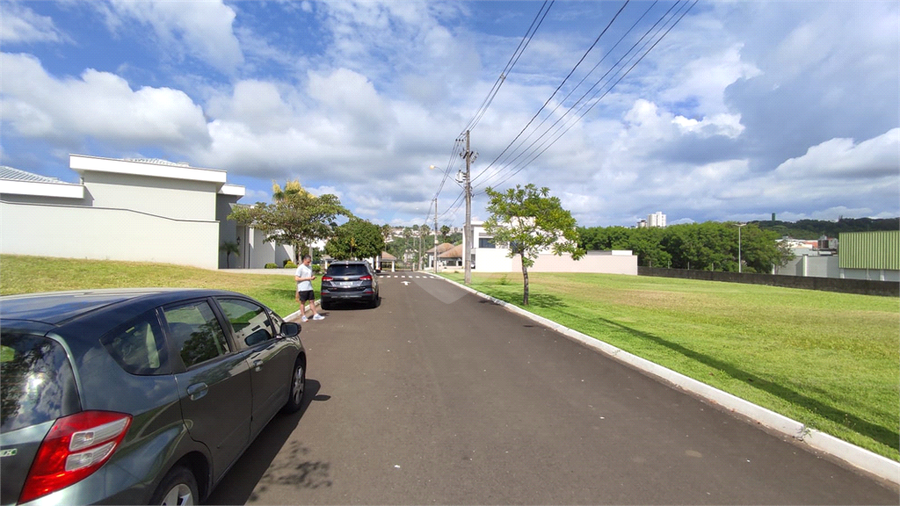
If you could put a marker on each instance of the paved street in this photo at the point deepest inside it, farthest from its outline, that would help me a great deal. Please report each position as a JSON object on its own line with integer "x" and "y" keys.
{"x": 441, "y": 397}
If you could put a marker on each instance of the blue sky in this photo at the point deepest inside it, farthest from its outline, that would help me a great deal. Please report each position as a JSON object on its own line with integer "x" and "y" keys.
{"x": 741, "y": 109}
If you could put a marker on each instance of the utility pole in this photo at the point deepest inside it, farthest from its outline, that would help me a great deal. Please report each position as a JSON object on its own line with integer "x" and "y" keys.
{"x": 467, "y": 231}
{"x": 435, "y": 235}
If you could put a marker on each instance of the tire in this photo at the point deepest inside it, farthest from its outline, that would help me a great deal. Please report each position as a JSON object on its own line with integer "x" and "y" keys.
{"x": 324, "y": 305}
{"x": 298, "y": 387}
{"x": 179, "y": 487}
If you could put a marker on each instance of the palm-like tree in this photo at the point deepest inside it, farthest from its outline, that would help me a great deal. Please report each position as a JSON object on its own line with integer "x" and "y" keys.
{"x": 229, "y": 248}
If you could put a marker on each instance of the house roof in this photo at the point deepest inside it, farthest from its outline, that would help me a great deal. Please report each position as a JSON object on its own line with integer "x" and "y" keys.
{"x": 441, "y": 248}
{"x": 19, "y": 182}
{"x": 454, "y": 252}
{"x": 387, "y": 256}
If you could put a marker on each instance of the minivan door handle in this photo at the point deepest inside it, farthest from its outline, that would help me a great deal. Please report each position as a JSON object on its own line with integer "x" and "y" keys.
{"x": 197, "y": 391}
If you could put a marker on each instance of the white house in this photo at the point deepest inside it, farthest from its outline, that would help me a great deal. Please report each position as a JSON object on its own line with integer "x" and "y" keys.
{"x": 486, "y": 256}
{"x": 129, "y": 209}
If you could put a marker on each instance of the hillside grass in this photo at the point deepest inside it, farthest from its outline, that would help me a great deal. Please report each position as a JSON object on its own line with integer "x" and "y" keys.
{"x": 28, "y": 274}
{"x": 828, "y": 360}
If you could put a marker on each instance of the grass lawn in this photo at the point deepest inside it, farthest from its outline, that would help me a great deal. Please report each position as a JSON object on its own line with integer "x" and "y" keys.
{"x": 27, "y": 274}
{"x": 829, "y": 360}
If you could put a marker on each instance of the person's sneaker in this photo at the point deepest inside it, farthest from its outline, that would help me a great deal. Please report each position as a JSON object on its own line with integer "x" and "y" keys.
{"x": 304, "y": 319}
{"x": 318, "y": 317}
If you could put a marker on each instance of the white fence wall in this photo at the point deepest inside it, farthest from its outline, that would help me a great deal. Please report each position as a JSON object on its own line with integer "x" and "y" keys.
{"x": 76, "y": 232}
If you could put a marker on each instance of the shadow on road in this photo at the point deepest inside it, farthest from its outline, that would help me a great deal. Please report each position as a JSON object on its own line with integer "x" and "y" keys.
{"x": 257, "y": 467}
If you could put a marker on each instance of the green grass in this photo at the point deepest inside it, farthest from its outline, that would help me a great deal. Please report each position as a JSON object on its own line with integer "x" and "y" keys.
{"x": 27, "y": 274}
{"x": 829, "y": 360}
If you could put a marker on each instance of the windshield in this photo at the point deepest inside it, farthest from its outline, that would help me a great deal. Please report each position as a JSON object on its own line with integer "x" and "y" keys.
{"x": 347, "y": 270}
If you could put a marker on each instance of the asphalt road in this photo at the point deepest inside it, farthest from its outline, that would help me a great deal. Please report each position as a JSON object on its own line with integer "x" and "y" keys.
{"x": 441, "y": 397}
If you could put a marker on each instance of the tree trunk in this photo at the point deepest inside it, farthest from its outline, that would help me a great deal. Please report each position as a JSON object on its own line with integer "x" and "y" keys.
{"x": 525, "y": 276}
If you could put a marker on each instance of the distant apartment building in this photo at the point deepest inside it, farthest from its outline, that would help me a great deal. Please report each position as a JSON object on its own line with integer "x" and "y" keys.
{"x": 657, "y": 219}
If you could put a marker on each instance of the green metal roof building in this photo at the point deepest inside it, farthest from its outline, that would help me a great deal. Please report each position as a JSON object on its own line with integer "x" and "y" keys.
{"x": 870, "y": 255}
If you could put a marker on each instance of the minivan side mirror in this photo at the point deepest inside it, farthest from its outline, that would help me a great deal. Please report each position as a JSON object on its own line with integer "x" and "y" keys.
{"x": 290, "y": 329}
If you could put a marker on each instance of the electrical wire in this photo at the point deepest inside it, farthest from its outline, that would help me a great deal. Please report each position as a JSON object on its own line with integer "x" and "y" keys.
{"x": 589, "y": 105}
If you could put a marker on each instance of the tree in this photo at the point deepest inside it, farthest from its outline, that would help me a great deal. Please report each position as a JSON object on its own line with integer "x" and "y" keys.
{"x": 229, "y": 248}
{"x": 355, "y": 239}
{"x": 297, "y": 217}
{"x": 530, "y": 222}
{"x": 445, "y": 232}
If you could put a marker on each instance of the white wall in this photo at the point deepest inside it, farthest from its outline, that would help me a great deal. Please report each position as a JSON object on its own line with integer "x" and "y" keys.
{"x": 172, "y": 198}
{"x": 106, "y": 234}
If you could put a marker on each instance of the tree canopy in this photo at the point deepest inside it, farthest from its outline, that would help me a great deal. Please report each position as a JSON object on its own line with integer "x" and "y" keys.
{"x": 356, "y": 239}
{"x": 531, "y": 221}
{"x": 705, "y": 246}
{"x": 296, "y": 217}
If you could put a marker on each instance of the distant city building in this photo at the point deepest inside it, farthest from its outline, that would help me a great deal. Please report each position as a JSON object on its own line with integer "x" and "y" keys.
{"x": 657, "y": 219}
{"x": 642, "y": 224}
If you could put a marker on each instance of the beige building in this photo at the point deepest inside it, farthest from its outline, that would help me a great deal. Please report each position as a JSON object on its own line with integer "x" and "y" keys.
{"x": 138, "y": 210}
{"x": 490, "y": 257}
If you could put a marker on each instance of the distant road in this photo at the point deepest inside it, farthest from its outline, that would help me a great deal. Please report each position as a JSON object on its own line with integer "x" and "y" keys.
{"x": 441, "y": 397}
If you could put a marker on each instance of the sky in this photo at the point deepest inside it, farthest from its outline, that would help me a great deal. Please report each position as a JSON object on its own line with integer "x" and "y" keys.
{"x": 705, "y": 111}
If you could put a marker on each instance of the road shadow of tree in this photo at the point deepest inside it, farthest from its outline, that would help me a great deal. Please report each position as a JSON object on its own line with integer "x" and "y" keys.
{"x": 884, "y": 435}
{"x": 260, "y": 467}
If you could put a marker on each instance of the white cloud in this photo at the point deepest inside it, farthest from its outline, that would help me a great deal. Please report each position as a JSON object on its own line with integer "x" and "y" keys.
{"x": 19, "y": 24}
{"x": 99, "y": 105}
{"x": 846, "y": 159}
{"x": 202, "y": 30}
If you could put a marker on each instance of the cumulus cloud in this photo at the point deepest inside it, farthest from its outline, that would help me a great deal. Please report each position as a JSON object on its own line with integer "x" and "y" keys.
{"x": 201, "y": 30}
{"x": 97, "y": 105}
{"x": 845, "y": 159}
{"x": 19, "y": 24}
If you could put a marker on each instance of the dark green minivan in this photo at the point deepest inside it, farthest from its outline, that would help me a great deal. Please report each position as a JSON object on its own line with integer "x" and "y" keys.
{"x": 138, "y": 396}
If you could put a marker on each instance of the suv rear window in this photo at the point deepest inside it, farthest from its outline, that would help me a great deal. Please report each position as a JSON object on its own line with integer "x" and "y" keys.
{"x": 347, "y": 270}
{"x": 38, "y": 385}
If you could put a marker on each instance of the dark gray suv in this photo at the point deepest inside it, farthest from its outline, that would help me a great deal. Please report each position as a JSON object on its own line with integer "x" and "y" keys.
{"x": 349, "y": 281}
{"x": 137, "y": 396}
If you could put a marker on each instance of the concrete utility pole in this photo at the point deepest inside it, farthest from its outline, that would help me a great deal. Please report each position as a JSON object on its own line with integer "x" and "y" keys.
{"x": 435, "y": 236}
{"x": 467, "y": 231}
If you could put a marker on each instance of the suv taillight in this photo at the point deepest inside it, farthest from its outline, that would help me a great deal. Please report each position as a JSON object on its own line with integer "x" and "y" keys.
{"x": 75, "y": 447}
{"x": 327, "y": 278}
{"x": 366, "y": 278}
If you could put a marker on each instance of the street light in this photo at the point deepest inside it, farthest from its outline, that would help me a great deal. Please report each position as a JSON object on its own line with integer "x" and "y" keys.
{"x": 739, "y": 226}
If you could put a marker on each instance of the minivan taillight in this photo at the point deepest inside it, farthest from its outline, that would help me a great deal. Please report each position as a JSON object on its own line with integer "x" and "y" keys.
{"x": 75, "y": 447}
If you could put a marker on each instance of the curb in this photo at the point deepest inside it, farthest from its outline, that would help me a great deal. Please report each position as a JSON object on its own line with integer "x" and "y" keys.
{"x": 848, "y": 453}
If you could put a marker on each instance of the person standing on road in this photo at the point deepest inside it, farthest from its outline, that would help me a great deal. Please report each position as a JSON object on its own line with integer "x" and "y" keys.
{"x": 304, "y": 277}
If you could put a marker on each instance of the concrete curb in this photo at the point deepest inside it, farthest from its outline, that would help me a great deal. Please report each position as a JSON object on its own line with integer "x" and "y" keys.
{"x": 298, "y": 313}
{"x": 853, "y": 455}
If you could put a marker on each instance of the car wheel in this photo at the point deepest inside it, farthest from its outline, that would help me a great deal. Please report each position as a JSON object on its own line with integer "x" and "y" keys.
{"x": 325, "y": 305}
{"x": 179, "y": 487}
{"x": 298, "y": 387}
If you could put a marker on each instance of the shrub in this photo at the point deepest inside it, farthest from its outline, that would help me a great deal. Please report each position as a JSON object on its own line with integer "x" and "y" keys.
{"x": 290, "y": 265}
{"x": 317, "y": 269}
{"x": 270, "y": 265}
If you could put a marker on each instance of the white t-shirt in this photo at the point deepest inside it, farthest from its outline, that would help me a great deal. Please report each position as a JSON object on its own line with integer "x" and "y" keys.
{"x": 304, "y": 272}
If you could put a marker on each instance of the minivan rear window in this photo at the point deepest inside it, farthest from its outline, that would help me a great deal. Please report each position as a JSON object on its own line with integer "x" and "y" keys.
{"x": 347, "y": 270}
{"x": 38, "y": 385}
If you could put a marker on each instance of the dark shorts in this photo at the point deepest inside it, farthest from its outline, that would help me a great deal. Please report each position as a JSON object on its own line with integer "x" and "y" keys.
{"x": 306, "y": 295}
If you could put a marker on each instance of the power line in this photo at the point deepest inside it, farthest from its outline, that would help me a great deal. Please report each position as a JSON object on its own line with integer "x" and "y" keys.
{"x": 555, "y": 91}
{"x": 594, "y": 100}
{"x": 523, "y": 44}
